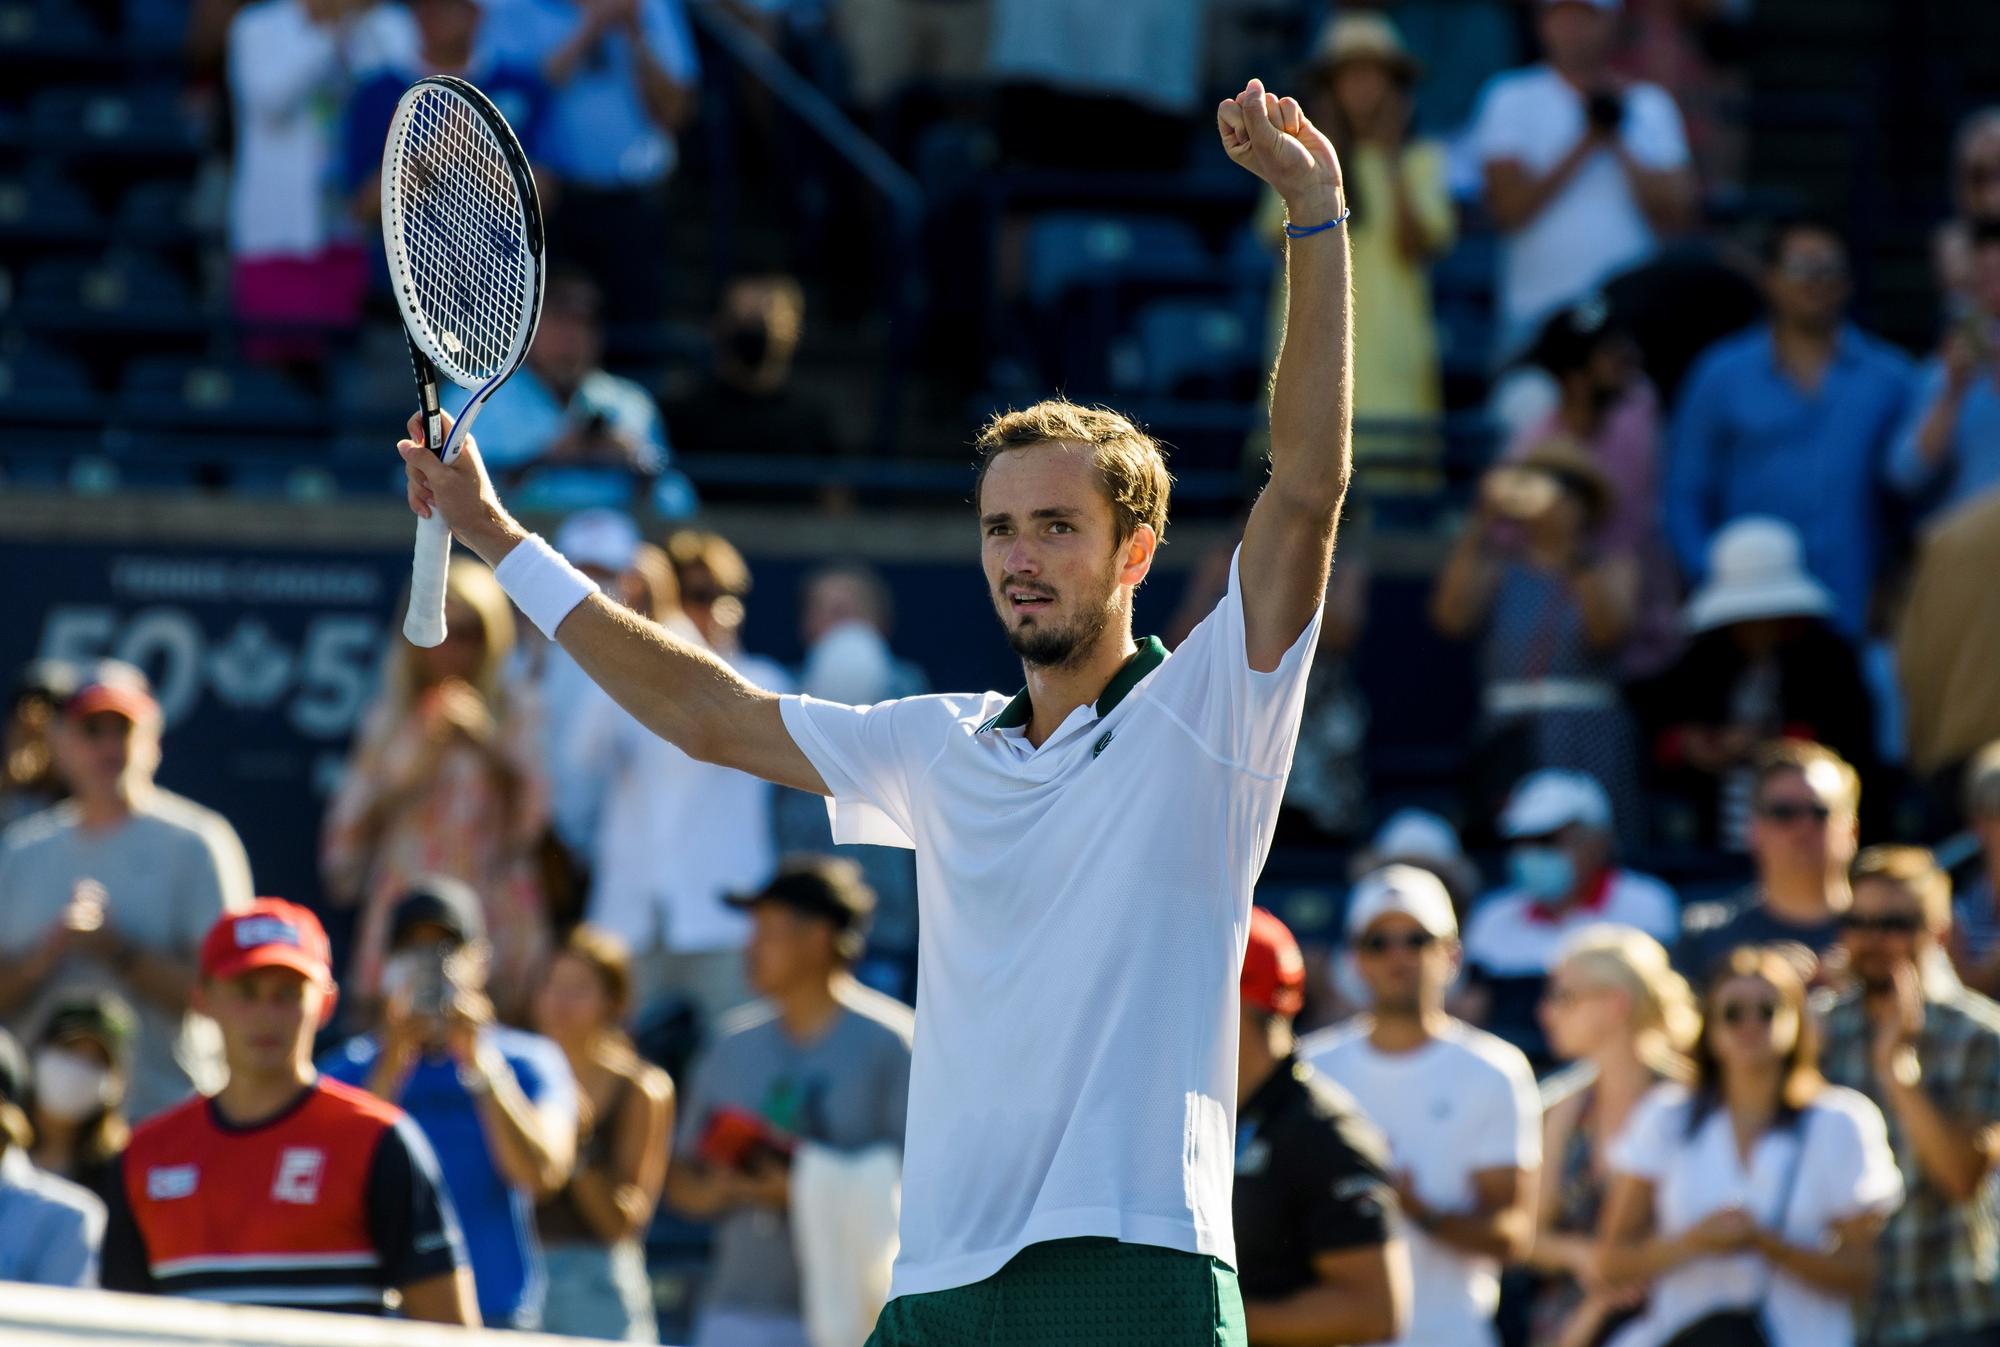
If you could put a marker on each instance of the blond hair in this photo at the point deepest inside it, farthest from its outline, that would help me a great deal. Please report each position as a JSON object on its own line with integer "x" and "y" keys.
{"x": 1665, "y": 1019}
{"x": 1801, "y": 756}
{"x": 1129, "y": 462}
{"x": 472, "y": 584}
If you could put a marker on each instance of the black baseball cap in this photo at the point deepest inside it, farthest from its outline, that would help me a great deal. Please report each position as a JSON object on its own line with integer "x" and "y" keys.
{"x": 104, "y": 1016}
{"x": 441, "y": 901}
{"x": 826, "y": 887}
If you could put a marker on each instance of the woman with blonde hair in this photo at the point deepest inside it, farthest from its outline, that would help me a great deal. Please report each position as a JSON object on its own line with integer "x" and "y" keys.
{"x": 1747, "y": 1202}
{"x": 591, "y": 1230}
{"x": 444, "y": 779}
{"x": 1614, "y": 1006}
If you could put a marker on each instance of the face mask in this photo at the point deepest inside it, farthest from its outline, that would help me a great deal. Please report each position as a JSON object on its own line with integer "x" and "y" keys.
{"x": 1546, "y": 873}
{"x": 70, "y": 1087}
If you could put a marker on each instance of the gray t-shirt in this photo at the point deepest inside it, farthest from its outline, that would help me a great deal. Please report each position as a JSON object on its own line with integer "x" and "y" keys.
{"x": 846, "y": 1090}
{"x": 168, "y": 872}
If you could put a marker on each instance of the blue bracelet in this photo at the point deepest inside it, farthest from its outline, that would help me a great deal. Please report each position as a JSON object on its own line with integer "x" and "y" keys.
{"x": 1293, "y": 231}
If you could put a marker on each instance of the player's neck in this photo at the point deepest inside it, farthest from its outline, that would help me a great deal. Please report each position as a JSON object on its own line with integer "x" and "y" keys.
{"x": 250, "y": 1097}
{"x": 1056, "y": 690}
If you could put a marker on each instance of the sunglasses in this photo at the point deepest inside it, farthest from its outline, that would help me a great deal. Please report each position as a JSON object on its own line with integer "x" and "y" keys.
{"x": 106, "y": 727}
{"x": 1742, "y": 1012}
{"x": 1892, "y": 923}
{"x": 1382, "y": 944}
{"x": 1567, "y": 996}
{"x": 1786, "y": 811}
{"x": 1815, "y": 271}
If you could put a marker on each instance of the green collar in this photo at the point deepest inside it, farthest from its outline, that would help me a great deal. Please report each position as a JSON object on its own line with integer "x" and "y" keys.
{"x": 1015, "y": 714}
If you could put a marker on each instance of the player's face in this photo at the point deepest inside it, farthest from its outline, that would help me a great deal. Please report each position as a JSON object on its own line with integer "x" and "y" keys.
{"x": 268, "y": 1017}
{"x": 1054, "y": 563}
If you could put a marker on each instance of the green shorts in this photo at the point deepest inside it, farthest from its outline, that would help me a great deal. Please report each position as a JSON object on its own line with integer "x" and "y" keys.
{"x": 1088, "y": 1292}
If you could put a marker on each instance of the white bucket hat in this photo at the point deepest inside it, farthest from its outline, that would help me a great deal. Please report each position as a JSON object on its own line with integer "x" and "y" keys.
{"x": 1756, "y": 570}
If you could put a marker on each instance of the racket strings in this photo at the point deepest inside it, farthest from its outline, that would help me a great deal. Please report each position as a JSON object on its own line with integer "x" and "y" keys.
{"x": 462, "y": 236}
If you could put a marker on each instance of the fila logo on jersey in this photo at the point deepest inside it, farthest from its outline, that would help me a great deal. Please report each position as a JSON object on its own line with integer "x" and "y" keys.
{"x": 164, "y": 1183}
{"x": 300, "y": 1169}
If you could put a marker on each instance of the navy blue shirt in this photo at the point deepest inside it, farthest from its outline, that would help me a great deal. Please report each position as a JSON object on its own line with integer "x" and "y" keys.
{"x": 498, "y": 1220}
{"x": 1747, "y": 440}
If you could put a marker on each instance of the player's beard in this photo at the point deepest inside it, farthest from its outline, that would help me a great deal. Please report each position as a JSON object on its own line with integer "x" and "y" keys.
{"x": 1046, "y": 645}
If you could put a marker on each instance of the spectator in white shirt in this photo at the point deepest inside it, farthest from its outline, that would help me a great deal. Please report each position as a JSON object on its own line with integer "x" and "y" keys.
{"x": 1581, "y": 170}
{"x": 296, "y": 253}
{"x": 1562, "y": 876}
{"x": 670, "y": 839}
{"x": 1761, "y": 1189}
{"x": 1459, "y": 1107}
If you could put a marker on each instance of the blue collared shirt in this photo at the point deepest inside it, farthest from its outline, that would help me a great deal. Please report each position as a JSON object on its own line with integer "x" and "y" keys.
{"x": 50, "y": 1229}
{"x": 597, "y": 132}
{"x": 1748, "y": 440}
{"x": 1971, "y": 464}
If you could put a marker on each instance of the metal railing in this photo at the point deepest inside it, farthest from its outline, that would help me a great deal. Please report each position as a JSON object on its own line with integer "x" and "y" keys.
{"x": 902, "y": 199}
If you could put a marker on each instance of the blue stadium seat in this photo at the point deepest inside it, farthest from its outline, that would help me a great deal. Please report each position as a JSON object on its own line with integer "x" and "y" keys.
{"x": 145, "y": 122}
{"x": 1197, "y": 348}
{"x": 182, "y": 392}
{"x": 123, "y": 289}
{"x": 156, "y": 212}
{"x": 1067, "y": 250}
{"x": 47, "y": 30}
{"x": 41, "y": 386}
{"x": 43, "y": 206}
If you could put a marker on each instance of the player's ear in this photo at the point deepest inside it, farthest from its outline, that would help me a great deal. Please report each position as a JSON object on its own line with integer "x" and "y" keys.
{"x": 1136, "y": 554}
{"x": 198, "y": 996}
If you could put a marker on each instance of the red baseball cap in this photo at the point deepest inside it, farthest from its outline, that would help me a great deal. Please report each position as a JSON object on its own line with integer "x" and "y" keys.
{"x": 126, "y": 699}
{"x": 1274, "y": 972}
{"x": 270, "y": 933}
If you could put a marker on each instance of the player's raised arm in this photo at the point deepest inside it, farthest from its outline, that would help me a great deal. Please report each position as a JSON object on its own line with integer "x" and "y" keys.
{"x": 1288, "y": 544}
{"x": 674, "y": 688}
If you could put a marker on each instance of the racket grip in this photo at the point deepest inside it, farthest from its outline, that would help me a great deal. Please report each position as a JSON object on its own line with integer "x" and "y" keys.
{"x": 424, "y": 624}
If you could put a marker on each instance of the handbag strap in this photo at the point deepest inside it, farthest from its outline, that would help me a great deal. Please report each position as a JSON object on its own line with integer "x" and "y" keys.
{"x": 1799, "y": 1126}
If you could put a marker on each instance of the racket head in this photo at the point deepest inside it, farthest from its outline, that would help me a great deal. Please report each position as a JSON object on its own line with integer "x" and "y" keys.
{"x": 462, "y": 230}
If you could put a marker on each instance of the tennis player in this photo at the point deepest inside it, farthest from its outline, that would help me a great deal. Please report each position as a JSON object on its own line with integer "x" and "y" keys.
{"x": 1085, "y": 849}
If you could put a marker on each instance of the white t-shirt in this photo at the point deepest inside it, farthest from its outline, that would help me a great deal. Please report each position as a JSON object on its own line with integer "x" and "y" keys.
{"x": 1847, "y": 1169}
{"x": 1513, "y": 935}
{"x": 289, "y": 79}
{"x": 671, "y": 837}
{"x": 1085, "y": 907}
{"x": 1593, "y": 228}
{"x": 1464, "y": 1102}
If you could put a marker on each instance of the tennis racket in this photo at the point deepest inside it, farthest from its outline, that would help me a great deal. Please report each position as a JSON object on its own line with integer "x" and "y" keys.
{"x": 463, "y": 230}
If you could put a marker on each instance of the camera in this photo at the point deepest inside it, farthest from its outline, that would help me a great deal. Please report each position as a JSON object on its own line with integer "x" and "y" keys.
{"x": 422, "y": 976}
{"x": 1606, "y": 110}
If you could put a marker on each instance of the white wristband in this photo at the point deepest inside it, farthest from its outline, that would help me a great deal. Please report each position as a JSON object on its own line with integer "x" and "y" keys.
{"x": 542, "y": 584}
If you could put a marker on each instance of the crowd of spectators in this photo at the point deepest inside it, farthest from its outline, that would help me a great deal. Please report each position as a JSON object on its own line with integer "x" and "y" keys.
{"x": 1724, "y": 606}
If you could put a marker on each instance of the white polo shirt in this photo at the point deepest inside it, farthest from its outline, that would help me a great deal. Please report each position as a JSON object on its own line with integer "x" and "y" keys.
{"x": 1084, "y": 908}
{"x": 1512, "y": 934}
